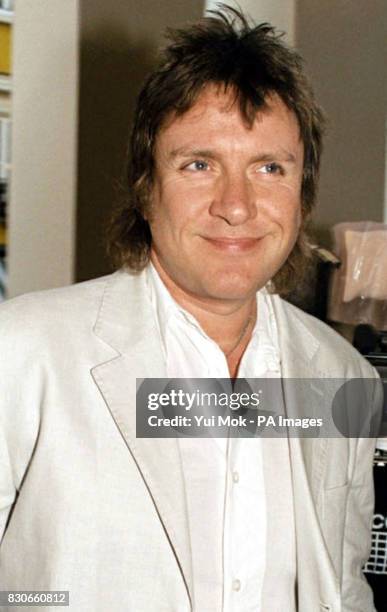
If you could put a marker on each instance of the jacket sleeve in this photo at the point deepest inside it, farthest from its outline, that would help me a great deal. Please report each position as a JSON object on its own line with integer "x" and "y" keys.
{"x": 356, "y": 594}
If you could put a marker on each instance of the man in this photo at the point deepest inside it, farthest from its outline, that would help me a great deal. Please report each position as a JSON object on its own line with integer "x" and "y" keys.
{"x": 224, "y": 161}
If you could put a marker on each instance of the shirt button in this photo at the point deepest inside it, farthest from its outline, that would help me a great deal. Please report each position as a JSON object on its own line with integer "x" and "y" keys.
{"x": 235, "y": 476}
{"x": 236, "y": 585}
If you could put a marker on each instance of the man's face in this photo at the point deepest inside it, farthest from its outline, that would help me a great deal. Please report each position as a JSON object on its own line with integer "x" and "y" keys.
{"x": 226, "y": 198}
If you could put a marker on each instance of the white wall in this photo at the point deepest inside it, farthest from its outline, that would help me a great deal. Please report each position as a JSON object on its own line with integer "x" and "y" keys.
{"x": 279, "y": 13}
{"x": 44, "y": 107}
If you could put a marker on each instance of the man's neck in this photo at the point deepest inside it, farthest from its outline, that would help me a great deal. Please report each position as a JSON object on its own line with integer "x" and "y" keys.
{"x": 229, "y": 324}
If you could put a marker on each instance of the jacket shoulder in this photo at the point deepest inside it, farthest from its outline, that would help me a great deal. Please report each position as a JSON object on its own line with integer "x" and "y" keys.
{"x": 30, "y": 316}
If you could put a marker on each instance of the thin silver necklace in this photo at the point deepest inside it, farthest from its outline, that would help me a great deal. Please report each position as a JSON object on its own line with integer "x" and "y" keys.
{"x": 242, "y": 335}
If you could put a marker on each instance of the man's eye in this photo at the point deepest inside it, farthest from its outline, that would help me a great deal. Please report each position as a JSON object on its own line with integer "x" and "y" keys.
{"x": 272, "y": 168}
{"x": 197, "y": 165}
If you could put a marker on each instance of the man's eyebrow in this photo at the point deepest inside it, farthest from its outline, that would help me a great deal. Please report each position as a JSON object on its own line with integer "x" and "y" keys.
{"x": 188, "y": 152}
{"x": 280, "y": 155}
{"x": 266, "y": 156}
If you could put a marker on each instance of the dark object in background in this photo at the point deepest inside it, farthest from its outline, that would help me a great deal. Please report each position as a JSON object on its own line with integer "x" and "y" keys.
{"x": 376, "y": 568}
{"x": 3, "y": 207}
{"x": 326, "y": 262}
{"x": 371, "y": 342}
{"x": 312, "y": 295}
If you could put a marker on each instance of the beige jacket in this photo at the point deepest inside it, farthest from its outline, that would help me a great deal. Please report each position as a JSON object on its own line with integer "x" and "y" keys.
{"x": 87, "y": 507}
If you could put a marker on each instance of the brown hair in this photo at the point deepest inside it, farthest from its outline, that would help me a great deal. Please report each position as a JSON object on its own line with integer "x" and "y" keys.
{"x": 225, "y": 50}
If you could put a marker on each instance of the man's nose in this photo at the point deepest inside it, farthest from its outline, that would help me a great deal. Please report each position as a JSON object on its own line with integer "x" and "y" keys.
{"x": 233, "y": 200}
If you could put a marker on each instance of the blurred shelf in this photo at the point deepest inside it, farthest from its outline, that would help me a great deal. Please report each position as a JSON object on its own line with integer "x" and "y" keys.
{"x": 5, "y": 83}
{"x": 6, "y": 16}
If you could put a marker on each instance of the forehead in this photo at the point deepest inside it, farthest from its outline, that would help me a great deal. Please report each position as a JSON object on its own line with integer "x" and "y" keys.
{"x": 216, "y": 113}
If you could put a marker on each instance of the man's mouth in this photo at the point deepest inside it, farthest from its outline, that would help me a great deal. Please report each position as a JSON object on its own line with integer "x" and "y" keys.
{"x": 232, "y": 245}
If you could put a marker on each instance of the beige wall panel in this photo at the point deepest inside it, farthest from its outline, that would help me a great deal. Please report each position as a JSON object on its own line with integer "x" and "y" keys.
{"x": 343, "y": 42}
{"x": 42, "y": 210}
{"x": 280, "y": 13}
{"x": 119, "y": 42}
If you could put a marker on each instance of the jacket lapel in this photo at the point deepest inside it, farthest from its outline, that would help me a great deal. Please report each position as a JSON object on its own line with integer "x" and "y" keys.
{"x": 300, "y": 356}
{"x": 127, "y": 324}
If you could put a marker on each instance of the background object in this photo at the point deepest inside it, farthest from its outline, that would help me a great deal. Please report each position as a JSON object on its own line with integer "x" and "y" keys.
{"x": 358, "y": 292}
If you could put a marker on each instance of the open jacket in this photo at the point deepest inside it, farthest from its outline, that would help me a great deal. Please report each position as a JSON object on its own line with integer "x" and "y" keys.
{"x": 87, "y": 507}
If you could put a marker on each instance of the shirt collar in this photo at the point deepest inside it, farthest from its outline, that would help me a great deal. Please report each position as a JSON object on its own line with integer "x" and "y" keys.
{"x": 264, "y": 337}
{"x": 165, "y": 307}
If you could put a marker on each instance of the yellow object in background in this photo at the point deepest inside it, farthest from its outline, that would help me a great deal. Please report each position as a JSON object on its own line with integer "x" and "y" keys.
{"x": 5, "y": 48}
{"x": 3, "y": 235}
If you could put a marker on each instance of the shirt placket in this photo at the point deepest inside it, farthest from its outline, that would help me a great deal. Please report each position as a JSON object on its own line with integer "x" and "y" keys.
{"x": 233, "y": 580}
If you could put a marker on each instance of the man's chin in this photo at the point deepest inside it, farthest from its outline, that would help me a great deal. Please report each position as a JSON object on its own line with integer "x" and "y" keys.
{"x": 228, "y": 290}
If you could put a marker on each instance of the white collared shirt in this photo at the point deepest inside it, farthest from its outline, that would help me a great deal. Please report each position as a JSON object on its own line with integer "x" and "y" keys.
{"x": 224, "y": 478}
